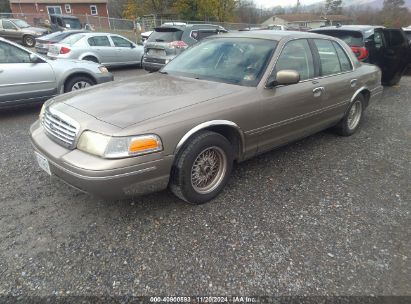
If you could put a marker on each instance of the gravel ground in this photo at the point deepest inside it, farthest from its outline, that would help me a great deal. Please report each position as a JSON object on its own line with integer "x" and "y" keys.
{"x": 324, "y": 216}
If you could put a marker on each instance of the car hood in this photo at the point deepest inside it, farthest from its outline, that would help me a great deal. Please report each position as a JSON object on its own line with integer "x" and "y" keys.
{"x": 128, "y": 102}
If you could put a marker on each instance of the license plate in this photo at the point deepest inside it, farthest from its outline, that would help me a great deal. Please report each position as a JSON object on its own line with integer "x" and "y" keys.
{"x": 156, "y": 52}
{"x": 43, "y": 163}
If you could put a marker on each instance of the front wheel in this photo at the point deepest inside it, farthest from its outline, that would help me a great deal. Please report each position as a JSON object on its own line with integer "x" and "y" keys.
{"x": 29, "y": 41}
{"x": 203, "y": 168}
{"x": 78, "y": 83}
{"x": 352, "y": 119}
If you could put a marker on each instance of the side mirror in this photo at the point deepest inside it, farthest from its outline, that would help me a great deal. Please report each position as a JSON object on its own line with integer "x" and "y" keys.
{"x": 132, "y": 46}
{"x": 283, "y": 77}
{"x": 34, "y": 58}
{"x": 140, "y": 43}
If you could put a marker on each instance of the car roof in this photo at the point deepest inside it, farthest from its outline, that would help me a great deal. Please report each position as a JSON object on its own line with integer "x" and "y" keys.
{"x": 361, "y": 28}
{"x": 272, "y": 35}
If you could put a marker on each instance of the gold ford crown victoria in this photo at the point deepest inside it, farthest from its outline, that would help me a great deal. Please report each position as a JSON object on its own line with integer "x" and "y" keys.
{"x": 223, "y": 100}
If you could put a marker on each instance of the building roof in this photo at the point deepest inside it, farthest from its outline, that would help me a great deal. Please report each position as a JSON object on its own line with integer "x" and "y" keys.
{"x": 58, "y": 1}
{"x": 310, "y": 17}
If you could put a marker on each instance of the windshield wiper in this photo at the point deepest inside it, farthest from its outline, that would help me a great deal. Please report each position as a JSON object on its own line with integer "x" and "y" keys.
{"x": 163, "y": 72}
{"x": 159, "y": 40}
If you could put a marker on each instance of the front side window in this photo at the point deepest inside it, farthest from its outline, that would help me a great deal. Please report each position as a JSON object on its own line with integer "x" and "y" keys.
{"x": 99, "y": 41}
{"x": 12, "y": 54}
{"x": 7, "y": 25}
{"x": 240, "y": 61}
{"x": 345, "y": 62}
{"x": 329, "y": 62}
{"x": 93, "y": 10}
{"x": 120, "y": 42}
{"x": 297, "y": 56}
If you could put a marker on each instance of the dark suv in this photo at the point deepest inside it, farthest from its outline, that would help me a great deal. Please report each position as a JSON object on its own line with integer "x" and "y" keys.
{"x": 387, "y": 48}
{"x": 64, "y": 23}
{"x": 167, "y": 41}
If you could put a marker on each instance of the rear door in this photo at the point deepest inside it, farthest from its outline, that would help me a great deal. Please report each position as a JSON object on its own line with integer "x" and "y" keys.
{"x": 20, "y": 79}
{"x": 395, "y": 54}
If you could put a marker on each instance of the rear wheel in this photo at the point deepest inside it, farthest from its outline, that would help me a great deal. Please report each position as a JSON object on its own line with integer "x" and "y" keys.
{"x": 91, "y": 58}
{"x": 203, "y": 168}
{"x": 29, "y": 41}
{"x": 352, "y": 119}
{"x": 77, "y": 83}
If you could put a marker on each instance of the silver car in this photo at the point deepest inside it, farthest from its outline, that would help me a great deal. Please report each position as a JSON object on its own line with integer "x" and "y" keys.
{"x": 26, "y": 77}
{"x": 20, "y": 31}
{"x": 104, "y": 48}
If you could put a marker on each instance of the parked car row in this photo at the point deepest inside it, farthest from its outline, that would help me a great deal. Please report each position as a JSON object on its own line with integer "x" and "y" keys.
{"x": 27, "y": 77}
{"x": 223, "y": 100}
{"x": 20, "y": 31}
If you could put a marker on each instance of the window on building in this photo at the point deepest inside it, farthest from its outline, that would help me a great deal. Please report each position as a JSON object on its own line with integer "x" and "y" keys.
{"x": 93, "y": 10}
{"x": 54, "y": 10}
{"x": 67, "y": 7}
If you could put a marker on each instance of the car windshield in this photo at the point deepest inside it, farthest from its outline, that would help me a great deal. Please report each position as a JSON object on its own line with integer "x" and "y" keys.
{"x": 240, "y": 61}
{"x": 165, "y": 35}
{"x": 72, "y": 23}
{"x": 21, "y": 23}
{"x": 352, "y": 38}
{"x": 71, "y": 40}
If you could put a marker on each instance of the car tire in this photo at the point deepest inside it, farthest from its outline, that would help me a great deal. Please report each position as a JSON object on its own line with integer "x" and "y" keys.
{"x": 29, "y": 41}
{"x": 91, "y": 58}
{"x": 202, "y": 168}
{"x": 78, "y": 83}
{"x": 352, "y": 119}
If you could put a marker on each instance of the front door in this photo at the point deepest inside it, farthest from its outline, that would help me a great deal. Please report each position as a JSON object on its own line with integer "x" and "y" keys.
{"x": 290, "y": 111}
{"x": 126, "y": 50}
{"x": 21, "y": 80}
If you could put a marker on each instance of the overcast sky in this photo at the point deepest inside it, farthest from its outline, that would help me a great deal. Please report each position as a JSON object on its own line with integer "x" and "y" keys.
{"x": 271, "y": 3}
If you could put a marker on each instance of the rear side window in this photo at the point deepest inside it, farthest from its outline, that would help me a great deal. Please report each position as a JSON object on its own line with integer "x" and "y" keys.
{"x": 165, "y": 35}
{"x": 329, "y": 62}
{"x": 297, "y": 56}
{"x": 345, "y": 62}
{"x": 408, "y": 34}
{"x": 201, "y": 34}
{"x": 352, "y": 38}
{"x": 71, "y": 40}
{"x": 99, "y": 41}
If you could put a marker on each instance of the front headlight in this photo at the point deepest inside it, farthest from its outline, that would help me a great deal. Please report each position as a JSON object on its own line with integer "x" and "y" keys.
{"x": 103, "y": 69}
{"x": 43, "y": 108}
{"x": 118, "y": 147}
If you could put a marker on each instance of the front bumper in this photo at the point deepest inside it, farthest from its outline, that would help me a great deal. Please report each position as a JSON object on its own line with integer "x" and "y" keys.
{"x": 134, "y": 180}
{"x": 102, "y": 78}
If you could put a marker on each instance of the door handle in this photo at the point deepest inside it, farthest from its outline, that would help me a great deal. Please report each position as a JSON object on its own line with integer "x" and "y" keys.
{"x": 353, "y": 83}
{"x": 318, "y": 91}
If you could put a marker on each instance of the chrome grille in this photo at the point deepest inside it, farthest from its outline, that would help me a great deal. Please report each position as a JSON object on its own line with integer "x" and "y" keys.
{"x": 62, "y": 129}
